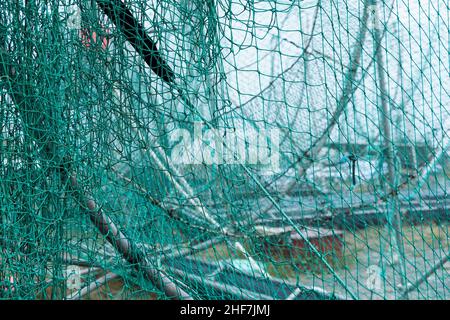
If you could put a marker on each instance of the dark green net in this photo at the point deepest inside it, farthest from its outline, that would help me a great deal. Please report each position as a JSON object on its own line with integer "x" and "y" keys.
{"x": 224, "y": 149}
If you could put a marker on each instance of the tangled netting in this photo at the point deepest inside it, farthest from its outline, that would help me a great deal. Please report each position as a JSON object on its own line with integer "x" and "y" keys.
{"x": 224, "y": 149}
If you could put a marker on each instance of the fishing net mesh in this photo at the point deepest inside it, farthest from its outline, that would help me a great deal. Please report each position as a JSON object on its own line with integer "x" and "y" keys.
{"x": 224, "y": 149}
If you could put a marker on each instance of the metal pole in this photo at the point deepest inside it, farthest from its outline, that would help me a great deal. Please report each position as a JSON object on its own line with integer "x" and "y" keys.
{"x": 198, "y": 247}
{"x": 393, "y": 207}
{"x": 236, "y": 292}
{"x": 94, "y": 285}
{"x": 125, "y": 247}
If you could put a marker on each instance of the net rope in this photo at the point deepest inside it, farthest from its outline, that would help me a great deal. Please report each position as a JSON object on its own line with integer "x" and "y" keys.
{"x": 192, "y": 149}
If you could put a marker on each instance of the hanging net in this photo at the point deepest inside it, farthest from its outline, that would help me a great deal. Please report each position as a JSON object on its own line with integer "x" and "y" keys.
{"x": 212, "y": 149}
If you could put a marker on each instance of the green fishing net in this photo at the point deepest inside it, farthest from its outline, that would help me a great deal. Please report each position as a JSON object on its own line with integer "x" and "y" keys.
{"x": 224, "y": 149}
